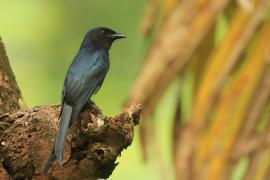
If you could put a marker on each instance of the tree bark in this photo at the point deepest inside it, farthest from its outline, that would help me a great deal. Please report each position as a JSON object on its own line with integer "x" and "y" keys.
{"x": 10, "y": 94}
{"x": 27, "y": 136}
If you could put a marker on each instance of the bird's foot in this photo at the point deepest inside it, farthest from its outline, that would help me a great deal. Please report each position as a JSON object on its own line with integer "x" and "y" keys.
{"x": 94, "y": 107}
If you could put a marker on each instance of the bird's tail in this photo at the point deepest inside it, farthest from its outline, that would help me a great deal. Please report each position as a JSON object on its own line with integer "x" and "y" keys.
{"x": 61, "y": 135}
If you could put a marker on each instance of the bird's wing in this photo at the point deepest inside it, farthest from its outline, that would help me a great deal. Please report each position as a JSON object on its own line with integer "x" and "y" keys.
{"x": 63, "y": 91}
{"x": 101, "y": 80}
{"x": 84, "y": 77}
{"x": 92, "y": 84}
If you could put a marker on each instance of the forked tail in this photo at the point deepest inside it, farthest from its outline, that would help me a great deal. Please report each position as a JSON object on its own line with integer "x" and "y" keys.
{"x": 61, "y": 136}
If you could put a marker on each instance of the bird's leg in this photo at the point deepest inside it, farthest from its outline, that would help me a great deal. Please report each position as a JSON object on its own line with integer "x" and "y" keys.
{"x": 93, "y": 105}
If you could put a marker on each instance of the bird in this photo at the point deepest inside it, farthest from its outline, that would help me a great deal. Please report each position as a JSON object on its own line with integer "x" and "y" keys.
{"x": 84, "y": 78}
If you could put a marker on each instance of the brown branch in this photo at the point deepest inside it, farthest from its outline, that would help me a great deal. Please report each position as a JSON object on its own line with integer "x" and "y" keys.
{"x": 89, "y": 153}
{"x": 9, "y": 91}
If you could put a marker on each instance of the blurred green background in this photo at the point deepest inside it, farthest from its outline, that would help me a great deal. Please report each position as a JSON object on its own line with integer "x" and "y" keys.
{"x": 41, "y": 39}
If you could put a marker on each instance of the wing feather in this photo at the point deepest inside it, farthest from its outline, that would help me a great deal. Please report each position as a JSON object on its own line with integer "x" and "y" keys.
{"x": 84, "y": 78}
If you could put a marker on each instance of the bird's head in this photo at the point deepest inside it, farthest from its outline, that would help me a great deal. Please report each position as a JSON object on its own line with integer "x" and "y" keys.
{"x": 101, "y": 37}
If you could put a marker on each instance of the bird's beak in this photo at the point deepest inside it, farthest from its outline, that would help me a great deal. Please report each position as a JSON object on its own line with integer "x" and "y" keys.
{"x": 118, "y": 36}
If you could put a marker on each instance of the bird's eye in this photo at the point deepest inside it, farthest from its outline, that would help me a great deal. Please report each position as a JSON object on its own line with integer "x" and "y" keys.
{"x": 102, "y": 31}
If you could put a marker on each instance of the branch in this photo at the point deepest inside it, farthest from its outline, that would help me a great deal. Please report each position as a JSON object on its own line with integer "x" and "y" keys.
{"x": 9, "y": 91}
{"x": 90, "y": 152}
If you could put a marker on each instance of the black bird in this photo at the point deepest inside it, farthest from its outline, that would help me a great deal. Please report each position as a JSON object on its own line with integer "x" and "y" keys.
{"x": 83, "y": 79}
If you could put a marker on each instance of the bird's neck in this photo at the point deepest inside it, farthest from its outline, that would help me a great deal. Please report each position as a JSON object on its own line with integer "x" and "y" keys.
{"x": 89, "y": 44}
{"x": 91, "y": 48}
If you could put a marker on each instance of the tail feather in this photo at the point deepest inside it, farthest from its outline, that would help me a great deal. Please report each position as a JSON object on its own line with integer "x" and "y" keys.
{"x": 49, "y": 163}
{"x": 62, "y": 132}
